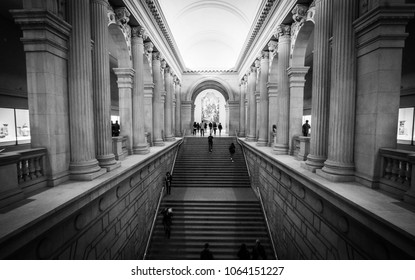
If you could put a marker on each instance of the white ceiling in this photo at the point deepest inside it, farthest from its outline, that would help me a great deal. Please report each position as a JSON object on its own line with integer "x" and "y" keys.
{"x": 210, "y": 33}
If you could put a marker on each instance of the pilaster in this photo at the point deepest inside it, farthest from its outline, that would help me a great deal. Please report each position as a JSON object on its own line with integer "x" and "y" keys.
{"x": 297, "y": 81}
{"x": 125, "y": 78}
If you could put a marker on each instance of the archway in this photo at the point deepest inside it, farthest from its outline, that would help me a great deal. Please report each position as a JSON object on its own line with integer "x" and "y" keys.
{"x": 220, "y": 87}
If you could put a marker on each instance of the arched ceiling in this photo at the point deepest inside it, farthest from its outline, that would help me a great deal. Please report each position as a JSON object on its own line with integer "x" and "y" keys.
{"x": 209, "y": 33}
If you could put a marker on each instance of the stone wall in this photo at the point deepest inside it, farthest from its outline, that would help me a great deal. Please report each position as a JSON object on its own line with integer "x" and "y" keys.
{"x": 110, "y": 221}
{"x": 310, "y": 221}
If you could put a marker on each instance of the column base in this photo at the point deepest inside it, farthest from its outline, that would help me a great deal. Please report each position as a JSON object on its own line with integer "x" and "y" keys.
{"x": 170, "y": 138}
{"x": 141, "y": 149}
{"x": 85, "y": 171}
{"x": 108, "y": 162}
{"x": 250, "y": 138}
{"x": 241, "y": 134}
{"x": 262, "y": 143}
{"x": 337, "y": 172}
{"x": 313, "y": 163}
{"x": 158, "y": 142}
{"x": 280, "y": 149}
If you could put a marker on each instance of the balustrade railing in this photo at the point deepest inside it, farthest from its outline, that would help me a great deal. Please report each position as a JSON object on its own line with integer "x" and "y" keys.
{"x": 396, "y": 169}
{"x": 31, "y": 167}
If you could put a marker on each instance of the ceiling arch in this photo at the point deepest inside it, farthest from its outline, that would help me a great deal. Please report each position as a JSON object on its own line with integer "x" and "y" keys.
{"x": 210, "y": 83}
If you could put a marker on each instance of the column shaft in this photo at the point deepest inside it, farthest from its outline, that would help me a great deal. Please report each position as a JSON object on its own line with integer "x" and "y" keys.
{"x": 157, "y": 106}
{"x": 321, "y": 86}
{"x": 252, "y": 104}
{"x": 281, "y": 147}
{"x": 242, "y": 109}
{"x": 178, "y": 107}
{"x": 83, "y": 165}
{"x": 340, "y": 166}
{"x": 168, "y": 105}
{"x": 140, "y": 145}
{"x": 101, "y": 85}
{"x": 263, "y": 106}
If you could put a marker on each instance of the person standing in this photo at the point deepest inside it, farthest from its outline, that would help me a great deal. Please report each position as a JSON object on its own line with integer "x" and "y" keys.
{"x": 168, "y": 179}
{"x": 167, "y": 220}
{"x": 220, "y": 128}
{"x": 215, "y": 127}
{"x": 210, "y": 141}
{"x": 232, "y": 150}
{"x": 258, "y": 251}
{"x": 202, "y": 129}
{"x": 306, "y": 128}
{"x": 116, "y": 129}
{"x": 243, "y": 253}
{"x": 206, "y": 254}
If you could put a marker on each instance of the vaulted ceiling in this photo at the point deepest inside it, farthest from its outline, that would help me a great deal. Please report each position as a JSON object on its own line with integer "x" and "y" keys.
{"x": 210, "y": 33}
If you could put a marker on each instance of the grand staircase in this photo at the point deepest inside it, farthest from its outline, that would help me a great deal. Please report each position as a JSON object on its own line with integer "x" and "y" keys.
{"x": 212, "y": 203}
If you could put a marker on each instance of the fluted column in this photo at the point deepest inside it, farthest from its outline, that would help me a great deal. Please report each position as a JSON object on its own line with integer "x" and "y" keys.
{"x": 148, "y": 91}
{"x": 263, "y": 102}
{"x": 125, "y": 78}
{"x": 157, "y": 105}
{"x": 252, "y": 104}
{"x": 246, "y": 107}
{"x": 321, "y": 86}
{"x": 297, "y": 82}
{"x": 339, "y": 165}
{"x": 178, "y": 107}
{"x": 284, "y": 40}
{"x": 168, "y": 105}
{"x": 140, "y": 145}
{"x": 242, "y": 107}
{"x": 83, "y": 165}
{"x": 101, "y": 85}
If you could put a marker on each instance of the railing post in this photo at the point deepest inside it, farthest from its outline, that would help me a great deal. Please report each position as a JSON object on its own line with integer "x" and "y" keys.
{"x": 409, "y": 196}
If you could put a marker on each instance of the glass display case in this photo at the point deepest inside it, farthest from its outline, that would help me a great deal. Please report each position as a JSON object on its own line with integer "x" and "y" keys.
{"x": 405, "y": 126}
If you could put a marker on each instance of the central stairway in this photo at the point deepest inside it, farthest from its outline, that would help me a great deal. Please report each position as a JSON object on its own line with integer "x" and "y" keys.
{"x": 212, "y": 202}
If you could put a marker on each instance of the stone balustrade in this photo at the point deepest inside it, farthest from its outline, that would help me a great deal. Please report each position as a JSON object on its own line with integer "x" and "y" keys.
{"x": 396, "y": 170}
{"x": 119, "y": 147}
{"x": 31, "y": 167}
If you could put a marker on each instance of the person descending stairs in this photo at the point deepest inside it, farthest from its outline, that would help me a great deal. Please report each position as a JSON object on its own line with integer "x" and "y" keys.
{"x": 212, "y": 202}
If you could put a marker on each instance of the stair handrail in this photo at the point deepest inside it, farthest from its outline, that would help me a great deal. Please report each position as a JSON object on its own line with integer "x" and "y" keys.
{"x": 159, "y": 202}
{"x": 268, "y": 227}
{"x": 153, "y": 223}
{"x": 243, "y": 153}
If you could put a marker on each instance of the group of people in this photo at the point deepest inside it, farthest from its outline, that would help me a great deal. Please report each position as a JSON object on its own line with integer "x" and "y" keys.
{"x": 257, "y": 252}
{"x": 202, "y": 128}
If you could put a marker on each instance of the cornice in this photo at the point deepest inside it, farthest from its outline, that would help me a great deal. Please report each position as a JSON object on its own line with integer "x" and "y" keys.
{"x": 208, "y": 71}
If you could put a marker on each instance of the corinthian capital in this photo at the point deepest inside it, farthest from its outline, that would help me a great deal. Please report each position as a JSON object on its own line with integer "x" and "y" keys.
{"x": 283, "y": 31}
{"x": 148, "y": 47}
{"x": 123, "y": 15}
{"x": 167, "y": 69}
{"x": 299, "y": 12}
{"x": 264, "y": 55}
{"x": 272, "y": 45}
{"x": 253, "y": 69}
{"x": 139, "y": 31}
{"x": 156, "y": 56}
{"x": 163, "y": 64}
{"x": 257, "y": 63}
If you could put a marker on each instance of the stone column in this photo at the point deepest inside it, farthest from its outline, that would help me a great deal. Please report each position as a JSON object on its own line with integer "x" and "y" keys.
{"x": 263, "y": 106}
{"x": 297, "y": 82}
{"x": 284, "y": 40}
{"x": 339, "y": 165}
{"x": 257, "y": 96}
{"x": 148, "y": 92}
{"x": 168, "y": 105}
{"x": 186, "y": 117}
{"x": 45, "y": 40}
{"x": 101, "y": 85}
{"x": 272, "y": 91}
{"x": 157, "y": 105}
{"x": 321, "y": 85}
{"x": 252, "y": 104}
{"x": 125, "y": 78}
{"x": 246, "y": 107}
{"x": 83, "y": 165}
{"x": 178, "y": 107}
{"x": 140, "y": 145}
{"x": 242, "y": 89}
